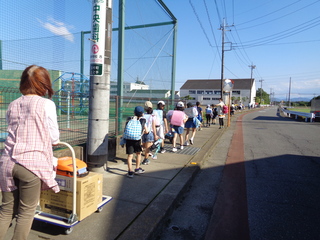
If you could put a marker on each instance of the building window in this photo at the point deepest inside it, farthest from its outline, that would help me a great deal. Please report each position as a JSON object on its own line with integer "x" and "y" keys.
{"x": 200, "y": 92}
{"x": 206, "y": 98}
{"x": 217, "y": 92}
{"x": 236, "y": 92}
{"x": 208, "y": 92}
{"x": 215, "y": 98}
{"x": 192, "y": 92}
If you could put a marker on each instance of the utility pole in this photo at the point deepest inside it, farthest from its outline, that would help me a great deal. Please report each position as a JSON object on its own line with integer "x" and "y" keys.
{"x": 261, "y": 80}
{"x": 0, "y": 54}
{"x": 99, "y": 96}
{"x": 289, "y": 100}
{"x": 252, "y": 67}
{"x": 223, "y": 29}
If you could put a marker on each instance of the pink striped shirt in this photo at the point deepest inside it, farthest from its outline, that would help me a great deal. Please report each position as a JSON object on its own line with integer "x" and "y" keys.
{"x": 29, "y": 142}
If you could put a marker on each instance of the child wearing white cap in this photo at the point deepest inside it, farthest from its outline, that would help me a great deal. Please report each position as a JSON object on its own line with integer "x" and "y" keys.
{"x": 161, "y": 124}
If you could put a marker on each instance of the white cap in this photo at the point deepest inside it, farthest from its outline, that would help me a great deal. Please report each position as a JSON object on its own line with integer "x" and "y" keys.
{"x": 162, "y": 102}
{"x": 180, "y": 104}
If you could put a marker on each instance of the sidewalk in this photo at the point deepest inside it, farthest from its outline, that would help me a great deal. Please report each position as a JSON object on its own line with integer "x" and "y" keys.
{"x": 140, "y": 203}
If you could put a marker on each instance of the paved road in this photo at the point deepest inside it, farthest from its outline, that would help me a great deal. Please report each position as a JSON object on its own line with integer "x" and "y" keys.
{"x": 283, "y": 176}
{"x": 270, "y": 191}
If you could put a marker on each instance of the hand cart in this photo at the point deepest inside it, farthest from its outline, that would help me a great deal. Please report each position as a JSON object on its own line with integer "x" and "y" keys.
{"x": 71, "y": 221}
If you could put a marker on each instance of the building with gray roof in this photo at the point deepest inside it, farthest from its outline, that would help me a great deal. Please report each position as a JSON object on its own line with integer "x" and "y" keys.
{"x": 208, "y": 91}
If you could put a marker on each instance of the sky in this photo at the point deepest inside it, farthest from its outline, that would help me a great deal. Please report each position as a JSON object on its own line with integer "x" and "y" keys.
{"x": 279, "y": 38}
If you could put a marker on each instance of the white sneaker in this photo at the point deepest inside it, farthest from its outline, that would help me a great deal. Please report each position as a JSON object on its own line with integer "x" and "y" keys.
{"x": 191, "y": 141}
{"x": 181, "y": 147}
{"x": 174, "y": 149}
{"x": 163, "y": 151}
{"x": 186, "y": 143}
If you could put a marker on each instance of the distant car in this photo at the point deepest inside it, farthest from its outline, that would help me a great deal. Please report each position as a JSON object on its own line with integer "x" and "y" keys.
{"x": 316, "y": 116}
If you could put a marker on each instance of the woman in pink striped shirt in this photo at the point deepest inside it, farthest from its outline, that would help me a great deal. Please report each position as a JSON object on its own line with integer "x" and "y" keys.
{"x": 27, "y": 162}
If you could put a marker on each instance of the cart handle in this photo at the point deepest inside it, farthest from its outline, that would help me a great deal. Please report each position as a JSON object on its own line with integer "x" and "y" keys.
{"x": 73, "y": 217}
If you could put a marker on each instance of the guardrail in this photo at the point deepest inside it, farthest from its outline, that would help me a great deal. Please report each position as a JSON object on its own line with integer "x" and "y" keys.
{"x": 295, "y": 115}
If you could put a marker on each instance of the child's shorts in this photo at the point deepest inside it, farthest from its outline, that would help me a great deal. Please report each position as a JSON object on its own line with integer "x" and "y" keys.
{"x": 133, "y": 146}
{"x": 149, "y": 137}
{"x": 178, "y": 129}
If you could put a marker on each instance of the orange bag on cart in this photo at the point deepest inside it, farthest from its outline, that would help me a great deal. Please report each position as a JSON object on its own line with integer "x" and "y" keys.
{"x": 65, "y": 167}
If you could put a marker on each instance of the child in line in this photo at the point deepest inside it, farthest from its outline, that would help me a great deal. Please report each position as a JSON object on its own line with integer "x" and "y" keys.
{"x": 214, "y": 114}
{"x": 134, "y": 146}
{"x": 199, "y": 116}
{"x": 209, "y": 115}
{"x": 192, "y": 113}
{"x": 221, "y": 114}
{"x": 177, "y": 119}
{"x": 162, "y": 127}
{"x": 150, "y": 136}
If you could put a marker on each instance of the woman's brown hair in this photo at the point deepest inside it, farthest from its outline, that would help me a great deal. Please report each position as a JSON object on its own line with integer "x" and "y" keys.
{"x": 36, "y": 80}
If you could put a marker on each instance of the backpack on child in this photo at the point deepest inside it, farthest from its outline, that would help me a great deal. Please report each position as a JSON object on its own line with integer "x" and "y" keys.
{"x": 177, "y": 118}
{"x": 158, "y": 116}
{"x": 209, "y": 111}
{"x": 133, "y": 129}
{"x": 225, "y": 109}
{"x": 149, "y": 120}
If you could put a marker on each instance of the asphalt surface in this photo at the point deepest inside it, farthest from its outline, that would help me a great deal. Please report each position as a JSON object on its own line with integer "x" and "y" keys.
{"x": 282, "y": 176}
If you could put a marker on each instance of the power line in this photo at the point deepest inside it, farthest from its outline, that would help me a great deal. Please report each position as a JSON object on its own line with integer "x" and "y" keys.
{"x": 243, "y": 53}
{"x": 200, "y": 23}
{"x": 284, "y": 34}
{"x": 252, "y": 20}
{"x": 209, "y": 19}
{"x": 282, "y": 16}
{"x": 217, "y": 9}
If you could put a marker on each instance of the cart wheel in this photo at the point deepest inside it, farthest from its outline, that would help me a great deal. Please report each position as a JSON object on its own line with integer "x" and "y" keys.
{"x": 68, "y": 231}
{"x": 99, "y": 209}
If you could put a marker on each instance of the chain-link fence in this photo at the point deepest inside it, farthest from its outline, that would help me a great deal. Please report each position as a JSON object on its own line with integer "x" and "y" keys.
{"x": 56, "y": 35}
{"x": 73, "y": 115}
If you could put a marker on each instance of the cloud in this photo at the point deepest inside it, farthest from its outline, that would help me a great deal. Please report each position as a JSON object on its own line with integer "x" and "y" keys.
{"x": 299, "y": 88}
{"x": 307, "y": 84}
{"x": 58, "y": 28}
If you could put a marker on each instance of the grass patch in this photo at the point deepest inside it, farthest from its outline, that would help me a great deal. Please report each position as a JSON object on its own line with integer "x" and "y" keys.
{"x": 300, "y": 109}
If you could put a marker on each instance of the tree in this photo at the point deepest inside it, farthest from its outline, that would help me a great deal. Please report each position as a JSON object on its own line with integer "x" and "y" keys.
{"x": 262, "y": 97}
{"x": 244, "y": 99}
{"x": 187, "y": 97}
{"x": 235, "y": 99}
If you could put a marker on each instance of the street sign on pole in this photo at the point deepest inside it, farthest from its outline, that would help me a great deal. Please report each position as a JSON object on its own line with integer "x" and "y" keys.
{"x": 99, "y": 96}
